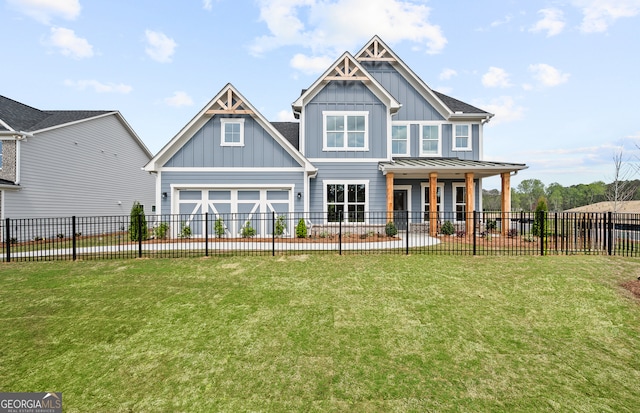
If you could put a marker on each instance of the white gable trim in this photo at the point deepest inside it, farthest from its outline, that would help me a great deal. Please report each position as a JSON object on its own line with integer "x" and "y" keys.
{"x": 369, "y": 81}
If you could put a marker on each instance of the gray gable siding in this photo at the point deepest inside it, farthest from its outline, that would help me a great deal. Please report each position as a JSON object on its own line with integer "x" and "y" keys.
{"x": 204, "y": 148}
{"x": 414, "y": 105}
{"x": 342, "y": 171}
{"x": 346, "y": 96}
{"x": 85, "y": 169}
{"x": 227, "y": 179}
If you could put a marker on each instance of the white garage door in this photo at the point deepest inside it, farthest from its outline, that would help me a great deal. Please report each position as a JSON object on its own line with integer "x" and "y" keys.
{"x": 234, "y": 207}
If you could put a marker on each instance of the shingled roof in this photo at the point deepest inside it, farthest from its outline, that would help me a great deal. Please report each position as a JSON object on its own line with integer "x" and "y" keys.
{"x": 291, "y": 132}
{"x": 23, "y": 118}
{"x": 457, "y": 105}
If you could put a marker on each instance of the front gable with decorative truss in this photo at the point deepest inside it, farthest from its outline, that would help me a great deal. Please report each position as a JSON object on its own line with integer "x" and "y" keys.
{"x": 224, "y": 122}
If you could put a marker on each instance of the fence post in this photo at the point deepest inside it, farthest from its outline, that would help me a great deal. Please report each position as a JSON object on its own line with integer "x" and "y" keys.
{"x": 542, "y": 230}
{"x": 273, "y": 233}
{"x": 407, "y": 233}
{"x": 139, "y": 223}
{"x": 475, "y": 230}
{"x": 7, "y": 239}
{"x": 73, "y": 238}
{"x": 610, "y": 228}
{"x": 340, "y": 218}
{"x": 206, "y": 234}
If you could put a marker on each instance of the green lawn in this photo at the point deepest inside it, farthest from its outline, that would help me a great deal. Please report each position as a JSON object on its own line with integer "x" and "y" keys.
{"x": 325, "y": 333}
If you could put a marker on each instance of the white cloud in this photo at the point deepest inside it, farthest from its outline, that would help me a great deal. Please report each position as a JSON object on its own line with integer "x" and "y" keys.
{"x": 160, "y": 47}
{"x": 598, "y": 15}
{"x": 547, "y": 75}
{"x": 552, "y": 22}
{"x": 98, "y": 87}
{"x": 70, "y": 44}
{"x": 44, "y": 10}
{"x": 505, "y": 110}
{"x": 179, "y": 99}
{"x": 206, "y": 4}
{"x": 329, "y": 27}
{"x": 310, "y": 65}
{"x": 527, "y": 86}
{"x": 447, "y": 74}
{"x": 506, "y": 20}
{"x": 496, "y": 77}
{"x": 285, "y": 116}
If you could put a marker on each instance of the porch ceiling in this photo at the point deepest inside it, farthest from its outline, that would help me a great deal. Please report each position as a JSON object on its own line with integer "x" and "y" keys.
{"x": 446, "y": 168}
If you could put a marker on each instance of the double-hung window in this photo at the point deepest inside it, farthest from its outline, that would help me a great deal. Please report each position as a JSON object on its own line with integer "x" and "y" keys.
{"x": 232, "y": 132}
{"x": 400, "y": 140}
{"x": 346, "y": 201}
{"x": 426, "y": 206}
{"x": 462, "y": 138}
{"x": 346, "y": 131}
{"x": 430, "y": 140}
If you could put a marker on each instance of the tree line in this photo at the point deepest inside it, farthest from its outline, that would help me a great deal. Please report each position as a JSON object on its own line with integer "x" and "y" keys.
{"x": 526, "y": 195}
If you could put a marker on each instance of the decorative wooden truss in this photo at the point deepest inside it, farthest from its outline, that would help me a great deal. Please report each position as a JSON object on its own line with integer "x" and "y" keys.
{"x": 229, "y": 104}
{"x": 375, "y": 52}
{"x": 346, "y": 69}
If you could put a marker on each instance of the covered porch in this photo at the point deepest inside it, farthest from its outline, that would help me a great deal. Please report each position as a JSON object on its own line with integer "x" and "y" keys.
{"x": 435, "y": 170}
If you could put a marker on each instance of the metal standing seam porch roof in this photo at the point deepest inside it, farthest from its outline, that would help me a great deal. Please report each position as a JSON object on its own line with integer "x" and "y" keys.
{"x": 447, "y": 168}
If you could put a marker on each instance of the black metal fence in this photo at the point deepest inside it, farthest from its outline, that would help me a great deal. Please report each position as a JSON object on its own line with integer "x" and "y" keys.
{"x": 350, "y": 232}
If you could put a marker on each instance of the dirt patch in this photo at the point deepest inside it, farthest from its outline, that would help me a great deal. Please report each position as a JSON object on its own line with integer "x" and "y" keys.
{"x": 633, "y": 286}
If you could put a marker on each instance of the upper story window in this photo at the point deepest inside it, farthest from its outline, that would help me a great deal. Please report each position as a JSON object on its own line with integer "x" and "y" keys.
{"x": 345, "y": 131}
{"x": 430, "y": 140}
{"x": 462, "y": 138}
{"x": 232, "y": 132}
{"x": 400, "y": 140}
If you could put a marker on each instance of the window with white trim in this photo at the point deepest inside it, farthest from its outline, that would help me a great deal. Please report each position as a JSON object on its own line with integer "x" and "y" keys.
{"x": 460, "y": 201}
{"x": 345, "y": 131}
{"x": 430, "y": 140}
{"x": 232, "y": 132}
{"x": 462, "y": 137}
{"x": 346, "y": 201}
{"x": 426, "y": 207}
{"x": 400, "y": 140}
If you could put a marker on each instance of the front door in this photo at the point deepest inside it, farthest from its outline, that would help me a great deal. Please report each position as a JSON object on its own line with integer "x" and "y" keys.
{"x": 400, "y": 208}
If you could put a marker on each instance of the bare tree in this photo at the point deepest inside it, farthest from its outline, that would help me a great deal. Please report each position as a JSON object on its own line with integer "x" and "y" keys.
{"x": 621, "y": 189}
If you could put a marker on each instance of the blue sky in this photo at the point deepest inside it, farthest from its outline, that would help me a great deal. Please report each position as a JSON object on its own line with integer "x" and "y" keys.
{"x": 560, "y": 76}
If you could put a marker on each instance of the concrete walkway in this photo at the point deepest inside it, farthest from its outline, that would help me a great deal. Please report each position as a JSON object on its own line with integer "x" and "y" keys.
{"x": 113, "y": 251}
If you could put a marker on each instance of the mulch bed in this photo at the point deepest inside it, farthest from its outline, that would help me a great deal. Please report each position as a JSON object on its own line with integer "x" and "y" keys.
{"x": 633, "y": 286}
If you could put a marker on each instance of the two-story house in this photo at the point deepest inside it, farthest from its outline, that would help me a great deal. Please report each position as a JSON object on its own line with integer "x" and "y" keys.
{"x": 371, "y": 136}
{"x": 60, "y": 163}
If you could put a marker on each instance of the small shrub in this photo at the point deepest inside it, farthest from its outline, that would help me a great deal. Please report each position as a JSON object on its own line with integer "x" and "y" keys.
{"x": 390, "y": 229}
{"x": 512, "y": 233}
{"x": 447, "y": 228}
{"x": 13, "y": 240}
{"x": 324, "y": 234}
{"x": 60, "y": 236}
{"x": 38, "y": 238}
{"x": 138, "y": 225}
{"x": 301, "y": 229}
{"x": 160, "y": 232}
{"x": 247, "y": 230}
{"x": 185, "y": 231}
{"x": 461, "y": 234}
{"x": 218, "y": 227}
{"x": 492, "y": 225}
{"x": 281, "y": 226}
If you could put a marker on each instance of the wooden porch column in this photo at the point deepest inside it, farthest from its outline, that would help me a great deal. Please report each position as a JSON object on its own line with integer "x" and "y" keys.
{"x": 433, "y": 204}
{"x": 470, "y": 202}
{"x": 389, "y": 196}
{"x": 505, "y": 206}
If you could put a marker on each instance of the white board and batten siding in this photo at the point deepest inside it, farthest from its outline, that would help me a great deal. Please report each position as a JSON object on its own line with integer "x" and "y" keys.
{"x": 90, "y": 168}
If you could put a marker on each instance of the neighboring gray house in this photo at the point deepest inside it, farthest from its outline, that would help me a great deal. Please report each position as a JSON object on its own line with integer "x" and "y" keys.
{"x": 58, "y": 163}
{"x": 372, "y": 136}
